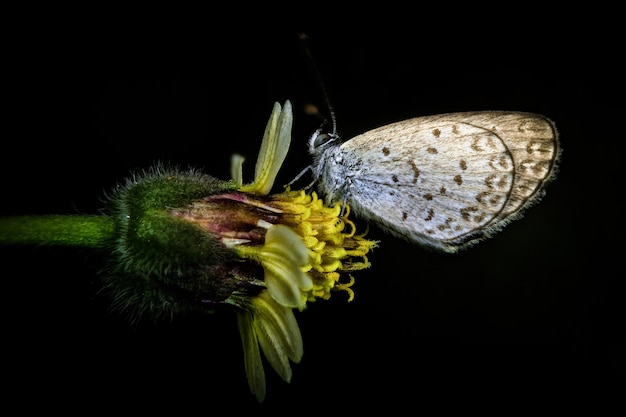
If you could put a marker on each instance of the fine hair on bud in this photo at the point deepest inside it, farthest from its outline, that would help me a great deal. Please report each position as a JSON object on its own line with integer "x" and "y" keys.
{"x": 162, "y": 264}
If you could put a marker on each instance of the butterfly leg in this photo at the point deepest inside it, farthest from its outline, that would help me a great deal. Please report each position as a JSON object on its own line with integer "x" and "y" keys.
{"x": 297, "y": 177}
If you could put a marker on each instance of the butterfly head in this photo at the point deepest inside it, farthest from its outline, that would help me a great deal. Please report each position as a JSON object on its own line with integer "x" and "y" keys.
{"x": 321, "y": 140}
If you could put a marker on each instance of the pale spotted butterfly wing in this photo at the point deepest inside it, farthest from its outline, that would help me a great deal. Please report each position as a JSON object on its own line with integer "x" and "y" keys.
{"x": 444, "y": 181}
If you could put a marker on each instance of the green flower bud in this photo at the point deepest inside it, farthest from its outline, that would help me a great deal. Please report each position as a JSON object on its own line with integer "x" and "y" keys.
{"x": 163, "y": 263}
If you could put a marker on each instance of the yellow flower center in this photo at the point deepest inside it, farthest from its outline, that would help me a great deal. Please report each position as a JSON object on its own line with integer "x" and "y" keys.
{"x": 334, "y": 248}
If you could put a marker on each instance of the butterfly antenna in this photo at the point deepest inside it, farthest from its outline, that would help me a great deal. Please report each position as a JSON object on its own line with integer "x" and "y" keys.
{"x": 304, "y": 38}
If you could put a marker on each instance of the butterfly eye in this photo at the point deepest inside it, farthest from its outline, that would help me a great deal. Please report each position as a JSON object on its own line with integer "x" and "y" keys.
{"x": 320, "y": 140}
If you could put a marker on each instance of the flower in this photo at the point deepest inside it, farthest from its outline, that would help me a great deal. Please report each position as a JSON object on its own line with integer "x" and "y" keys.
{"x": 303, "y": 257}
{"x": 188, "y": 241}
{"x": 180, "y": 240}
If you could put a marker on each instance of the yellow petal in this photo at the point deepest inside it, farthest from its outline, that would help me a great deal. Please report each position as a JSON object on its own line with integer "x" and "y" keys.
{"x": 251, "y": 354}
{"x": 283, "y": 257}
{"x": 285, "y": 241}
{"x": 236, "y": 169}
{"x": 282, "y": 286}
{"x": 282, "y": 320}
{"x": 278, "y": 334}
{"x": 274, "y": 147}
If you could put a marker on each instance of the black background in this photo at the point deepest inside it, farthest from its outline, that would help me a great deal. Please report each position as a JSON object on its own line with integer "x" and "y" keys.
{"x": 533, "y": 314}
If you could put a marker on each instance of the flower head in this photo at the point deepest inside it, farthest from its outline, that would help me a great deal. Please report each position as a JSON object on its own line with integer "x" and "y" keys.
{"x": 187, "y": 241}
{"x": 304, "y": 256}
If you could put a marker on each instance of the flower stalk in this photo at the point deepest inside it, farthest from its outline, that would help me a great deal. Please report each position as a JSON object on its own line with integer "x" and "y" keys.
{"x": 92, "y": 231}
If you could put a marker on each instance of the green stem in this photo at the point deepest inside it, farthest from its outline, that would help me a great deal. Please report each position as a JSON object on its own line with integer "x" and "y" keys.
{"x": 60, "y": 230}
